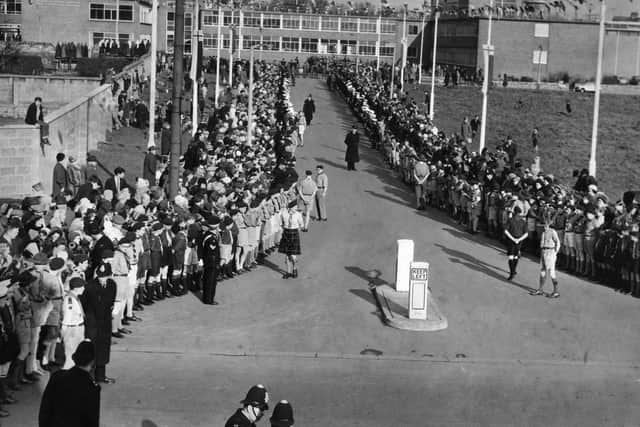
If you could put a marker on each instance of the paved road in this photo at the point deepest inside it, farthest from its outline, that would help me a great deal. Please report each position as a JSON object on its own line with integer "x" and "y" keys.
{"x": 506, "y": 358}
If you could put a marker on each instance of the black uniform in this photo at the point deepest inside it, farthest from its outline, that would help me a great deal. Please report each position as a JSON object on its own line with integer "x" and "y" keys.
{"x": 71, "y": 399}
{"x": 239, "y": 420}
{"x": 97, "y": 303}
{"x": 210, "y": 260}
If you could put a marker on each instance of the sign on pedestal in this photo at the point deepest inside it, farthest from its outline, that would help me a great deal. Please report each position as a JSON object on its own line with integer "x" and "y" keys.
{"x": 418, "y": 290}
{"x": 404, "y": 257}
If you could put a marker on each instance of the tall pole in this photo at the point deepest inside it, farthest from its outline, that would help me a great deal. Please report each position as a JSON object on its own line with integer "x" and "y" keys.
{"x": 393, "y": 73}
{"x": 379, "y": 27}
{"x": 424, "y": 15}
{"x": 178, "y": 79}
{"x": 194, "y": 66}
{"x": 152, "y": 88}
{"x": 117, "y": 20}
{"x": 231, "y": 50}
{"x": 432, "y": 98}
{"x": 250, "y": 107}
{"x": 240, "y": 14}
{"x": 596, "y": 101}
{"x": 218, "y": 47}
{"x": 404, "y": 47}
{"x": 539, "y": 66}
{"x": 485, "y": 84}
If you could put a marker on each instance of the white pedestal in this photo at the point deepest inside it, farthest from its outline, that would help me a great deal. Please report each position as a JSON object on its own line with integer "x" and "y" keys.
{"x": 418, "y": 290}
{"x": 404, "y": 258}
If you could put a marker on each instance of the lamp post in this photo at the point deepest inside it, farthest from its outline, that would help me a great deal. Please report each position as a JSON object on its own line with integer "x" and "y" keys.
{"x": 596, "y": 101}
{"x": 404, "y": 47}
{"x": 250, "y": 106}
{"x": 152, "y": 88}
{"x": 539, "y": 66}
{"x": 432, "y": 102}
{"x": 488, "y": 50}
{"x": 379, "y": 28}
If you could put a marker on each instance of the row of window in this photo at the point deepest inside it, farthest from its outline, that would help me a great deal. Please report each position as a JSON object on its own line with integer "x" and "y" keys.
{"x": 11, "y": 7}
{"x": 304, "y": 22}
{"x": 301, "y": 44}
{"x": 109, "y": 12}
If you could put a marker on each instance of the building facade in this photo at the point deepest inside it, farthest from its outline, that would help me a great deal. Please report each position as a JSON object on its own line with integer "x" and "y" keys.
{"x": 528, "y": 48}
{"x": 289, "y": 34}
{"x": 282, "y": 34}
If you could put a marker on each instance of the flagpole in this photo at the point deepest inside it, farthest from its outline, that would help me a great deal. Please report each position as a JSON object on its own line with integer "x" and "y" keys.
{"x": 432, "y": 101}
{"x": 379, "y": 26}
{"x": 218, "y": 46}
{"x": 596, "y": 101}
{"x": 152, "y": 88}
{"x": 424, "y": 15}
{"x": 231, "y": 49}
{"x": 194, "y": 66}
{"x": 485, "y": 86}
{"x": 393, "y": 73}
{"x": 404, "y": 47}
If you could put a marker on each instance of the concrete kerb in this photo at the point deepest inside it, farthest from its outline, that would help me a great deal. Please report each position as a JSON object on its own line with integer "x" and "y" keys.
{"x": 398, "y": 317}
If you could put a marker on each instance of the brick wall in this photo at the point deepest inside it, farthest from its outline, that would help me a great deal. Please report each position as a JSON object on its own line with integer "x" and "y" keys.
{"x": 19, "y": 160}
{"x": 16, "y": 89}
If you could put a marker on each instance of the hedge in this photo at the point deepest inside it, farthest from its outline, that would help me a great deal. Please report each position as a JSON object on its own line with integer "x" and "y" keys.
{"x": 21, "y": 64}
{"x": 93, "y": 67}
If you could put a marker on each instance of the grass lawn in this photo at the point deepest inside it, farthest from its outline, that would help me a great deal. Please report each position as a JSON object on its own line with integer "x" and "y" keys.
{"x": 564, "y": 140}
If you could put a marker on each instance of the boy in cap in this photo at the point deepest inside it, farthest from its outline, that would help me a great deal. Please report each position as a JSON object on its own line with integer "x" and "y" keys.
{"x": 253, "y": 408}
{"x": 516, "y": 233}
{"x": 210, "y": 259}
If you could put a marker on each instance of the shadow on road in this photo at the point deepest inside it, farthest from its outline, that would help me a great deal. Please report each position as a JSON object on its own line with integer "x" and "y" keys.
{"x": 474, "y": 263}
{"x": 325, "y": 162}
{"x": 148, "y": 423}
{"x": 371, "y": 276}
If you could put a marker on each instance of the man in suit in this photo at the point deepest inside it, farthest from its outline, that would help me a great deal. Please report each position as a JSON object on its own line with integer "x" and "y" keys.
{"x": 72, "y": 398}
{"x": 60, "y": 176}
{"x": 352, "y": 156}
{"x": 117, "y": 183}
{"x": 150, "y": 166}
{"x": 34, "y": 112}
{"x": 308, "y": 108}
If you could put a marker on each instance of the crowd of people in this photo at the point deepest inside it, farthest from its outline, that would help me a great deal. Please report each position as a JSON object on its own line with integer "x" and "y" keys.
{"x": 598, "y": 236}
{"x": 82, "y": 263}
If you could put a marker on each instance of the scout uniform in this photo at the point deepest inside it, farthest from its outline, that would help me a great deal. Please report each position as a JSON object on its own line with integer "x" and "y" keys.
{"x": 307, "y": 189}
{"x": 72, "y": 324}
{"x": 322, "y": 182}
{"x": 515, "y": 232}
{"x": 549, "y": 248}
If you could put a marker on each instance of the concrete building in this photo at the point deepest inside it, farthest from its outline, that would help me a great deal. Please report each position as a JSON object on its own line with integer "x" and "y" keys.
{"x": 61, "y": 21}
{"x": 526, "y": 47}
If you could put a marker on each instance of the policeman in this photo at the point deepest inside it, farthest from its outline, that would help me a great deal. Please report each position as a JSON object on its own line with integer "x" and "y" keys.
{"x": 71, "y": 397}
{"x": 516, "y": 233}
{"x": 210, "y": 261}
{"x": 549, "y": 248}
{"x": 72, "y": 320}
{"x": 253, "y": 408}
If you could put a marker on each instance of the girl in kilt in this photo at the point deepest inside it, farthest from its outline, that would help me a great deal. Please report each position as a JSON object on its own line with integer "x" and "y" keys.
{"x": 292, "y": 222}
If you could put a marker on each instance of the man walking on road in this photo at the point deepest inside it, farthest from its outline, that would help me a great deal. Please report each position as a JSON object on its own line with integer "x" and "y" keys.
{"x": 322, "y": 182}
{"x": 549, "y": 248}
{"x": 309, "y": 108}
{"x": 307, "y": 190}
{"x": 352, "y": 156}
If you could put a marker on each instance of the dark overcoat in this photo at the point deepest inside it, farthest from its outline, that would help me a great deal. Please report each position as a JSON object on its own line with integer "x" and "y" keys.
{"x": 352, "y": 141}
{"x": 71, "y": 399}
{"x": 97, "y": 302}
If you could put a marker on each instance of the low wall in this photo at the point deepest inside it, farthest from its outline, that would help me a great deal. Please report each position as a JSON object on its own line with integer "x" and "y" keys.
{"x": 21, "y": 90}
{"x": 74, "y": 129}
